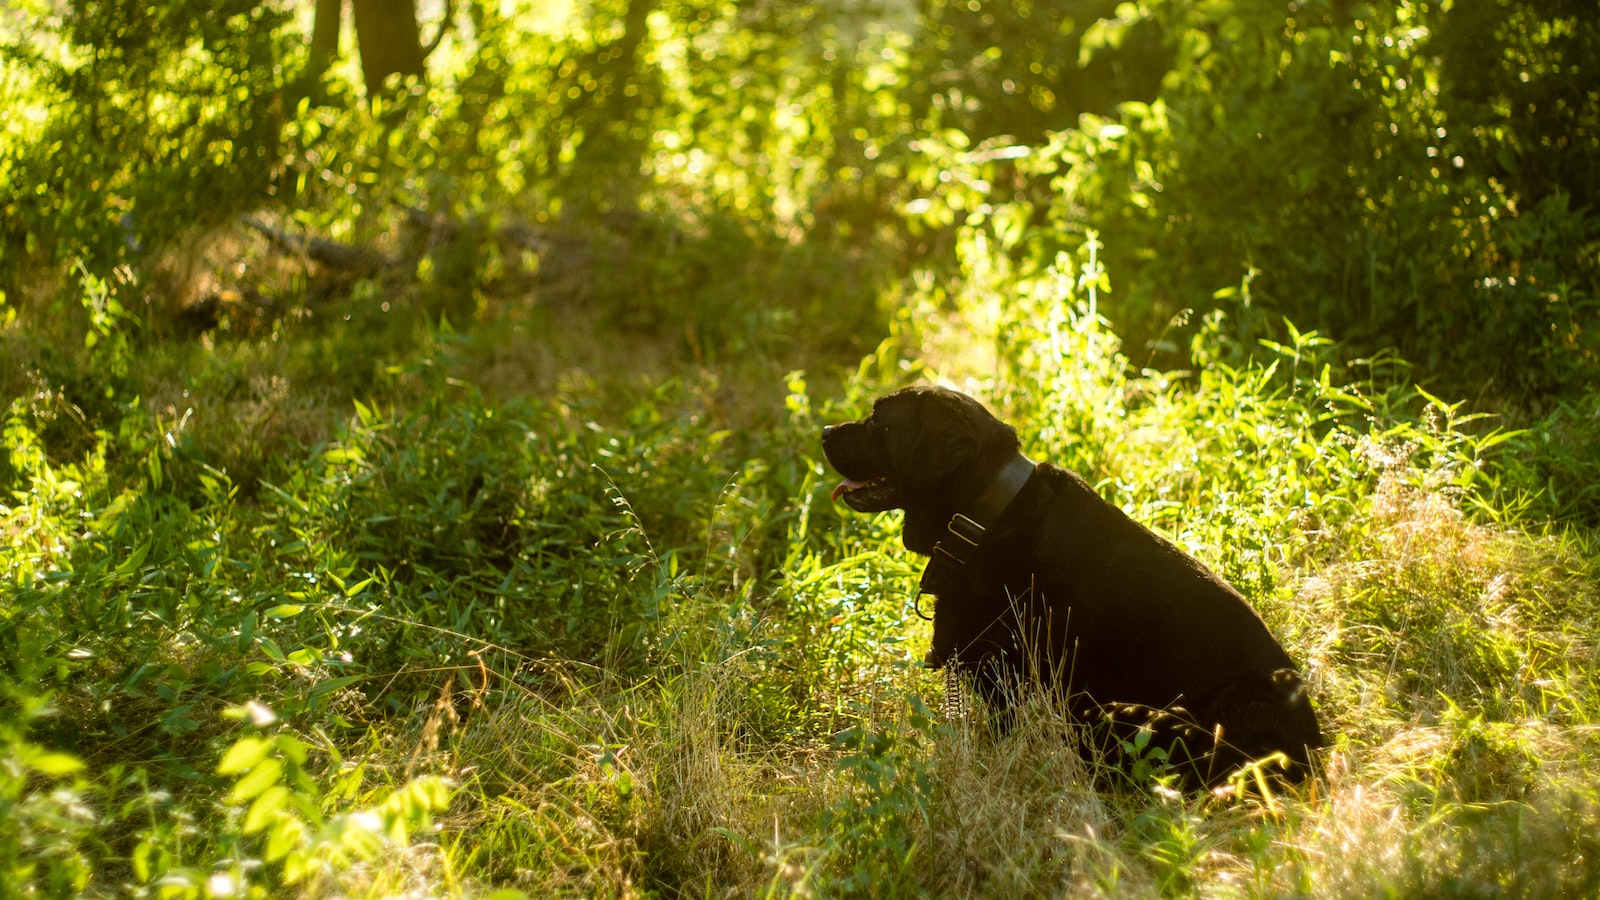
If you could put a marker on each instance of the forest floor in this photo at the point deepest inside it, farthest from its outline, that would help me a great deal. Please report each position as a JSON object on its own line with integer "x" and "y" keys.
{"x": 514, "y": 600}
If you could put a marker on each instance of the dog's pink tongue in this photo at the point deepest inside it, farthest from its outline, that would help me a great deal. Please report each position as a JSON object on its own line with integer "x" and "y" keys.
{"x": 846, "y": 486}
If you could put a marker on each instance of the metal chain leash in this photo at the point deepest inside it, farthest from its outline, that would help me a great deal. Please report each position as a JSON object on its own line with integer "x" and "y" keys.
{"x": 953, "y": 706}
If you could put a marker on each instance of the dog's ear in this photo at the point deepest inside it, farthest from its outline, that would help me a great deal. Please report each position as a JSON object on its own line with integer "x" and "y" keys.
{"x": 955, "y": 447}
{"x": 939, "y": 439}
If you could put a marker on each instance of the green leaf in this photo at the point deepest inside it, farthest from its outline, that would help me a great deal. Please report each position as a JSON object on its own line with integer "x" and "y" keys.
{"x": 329, "y": 685}
{"x": 272, "y": 801}
{"x": 282, "y": 840}
{"x": 292, "y": 748}
{"x": 55, "y": 763}
{"x": 131, "y": 565}
{"x": 265, "y": 774}
{"x": 305, "y": 656}
{"x": 243, "y": 756}
{"x": 1497, "y": 437}
{"x": 271, "y": 648}
{"x": 434, "y": 790}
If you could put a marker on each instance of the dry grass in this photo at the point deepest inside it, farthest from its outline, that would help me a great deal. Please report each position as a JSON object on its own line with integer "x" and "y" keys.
{"x": 1452, "y": 660}
{"x": 779, "y": 749}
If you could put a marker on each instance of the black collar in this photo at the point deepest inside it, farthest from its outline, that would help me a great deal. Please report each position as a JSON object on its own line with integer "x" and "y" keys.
{"x": 967, "y": 531}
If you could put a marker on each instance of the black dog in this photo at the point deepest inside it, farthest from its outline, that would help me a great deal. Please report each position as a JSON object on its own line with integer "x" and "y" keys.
{"x": 1041, "y": 581}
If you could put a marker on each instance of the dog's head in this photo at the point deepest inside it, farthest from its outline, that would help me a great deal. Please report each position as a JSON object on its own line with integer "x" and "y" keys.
{"x": 922, "y": 448}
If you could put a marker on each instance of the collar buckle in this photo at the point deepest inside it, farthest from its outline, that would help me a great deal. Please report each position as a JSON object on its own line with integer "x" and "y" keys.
{"x": 966, "y": 529}
{"x": 967, "y": 534}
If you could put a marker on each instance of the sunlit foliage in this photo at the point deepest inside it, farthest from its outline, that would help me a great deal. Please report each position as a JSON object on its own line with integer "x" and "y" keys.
{"x": 418, "y": 493}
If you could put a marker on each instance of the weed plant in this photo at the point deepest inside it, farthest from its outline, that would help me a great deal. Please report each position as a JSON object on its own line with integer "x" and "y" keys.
{"x": 463, "y": 645}
{"x": 502, "y": 564}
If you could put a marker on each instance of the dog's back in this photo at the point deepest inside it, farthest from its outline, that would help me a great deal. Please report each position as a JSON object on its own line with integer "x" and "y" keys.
{"x": 1139, "y": 630}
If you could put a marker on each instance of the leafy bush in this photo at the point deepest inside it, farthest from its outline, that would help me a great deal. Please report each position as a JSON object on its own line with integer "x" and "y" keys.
{"x": 503, "y": 559}
{"x": 151, "y": 120}
{"x": 1397, "y": 218}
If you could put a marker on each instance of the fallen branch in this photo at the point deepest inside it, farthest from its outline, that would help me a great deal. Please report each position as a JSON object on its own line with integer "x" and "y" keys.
{"x": 333, "y": 254}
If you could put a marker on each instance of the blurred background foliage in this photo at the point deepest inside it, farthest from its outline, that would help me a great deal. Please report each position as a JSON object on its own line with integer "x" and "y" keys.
{"x": 1416, "y": 176}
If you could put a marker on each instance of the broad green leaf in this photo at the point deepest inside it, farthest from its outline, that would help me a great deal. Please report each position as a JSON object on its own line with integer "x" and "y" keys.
{"x": 272, "y": 801}
{"x": 284, "y": 837}
{"x": 243, "y": 755}
{"x": 263, "y": 775}
{"x": 55, "y": 763}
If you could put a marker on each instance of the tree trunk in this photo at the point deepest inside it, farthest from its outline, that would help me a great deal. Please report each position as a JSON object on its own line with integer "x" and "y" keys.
{"x": 390, "y": 42}
{"x": 618, "y": 66}
{"x": 325, "y": 30}
{"x": 325, "y": 35}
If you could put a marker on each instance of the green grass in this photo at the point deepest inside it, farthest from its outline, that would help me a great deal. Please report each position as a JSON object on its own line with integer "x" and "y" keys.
{"x": 507, "y": 567}
{"x": 609, "y": 637}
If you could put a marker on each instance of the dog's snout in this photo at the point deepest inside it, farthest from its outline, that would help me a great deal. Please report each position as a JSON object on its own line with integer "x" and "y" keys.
{"x": 828, "y": 430}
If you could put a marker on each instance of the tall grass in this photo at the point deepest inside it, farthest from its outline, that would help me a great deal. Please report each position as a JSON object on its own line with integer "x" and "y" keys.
{"x": 792, "y": 747}
{"x": 574, "y": 647}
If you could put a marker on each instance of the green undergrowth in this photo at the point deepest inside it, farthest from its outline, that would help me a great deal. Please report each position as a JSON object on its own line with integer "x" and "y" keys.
{"x": 419, "y": 493}
{"x": 461, "y": 644}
